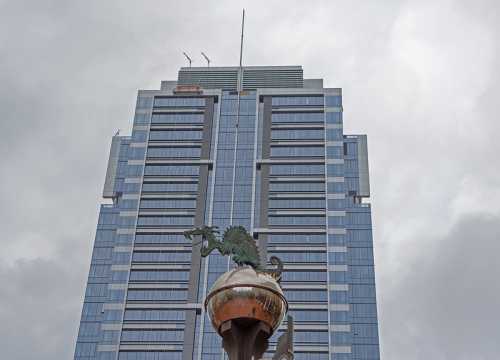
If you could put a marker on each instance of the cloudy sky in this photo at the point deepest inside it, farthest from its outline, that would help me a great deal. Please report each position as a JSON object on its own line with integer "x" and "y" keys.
{"x": 419, "y": 77}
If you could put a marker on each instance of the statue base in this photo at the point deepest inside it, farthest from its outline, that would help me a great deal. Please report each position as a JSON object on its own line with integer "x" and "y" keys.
{"x": 245, "y": 338}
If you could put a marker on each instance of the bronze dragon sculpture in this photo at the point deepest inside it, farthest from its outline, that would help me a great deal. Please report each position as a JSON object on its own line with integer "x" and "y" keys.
{"x": 237, "y": 243}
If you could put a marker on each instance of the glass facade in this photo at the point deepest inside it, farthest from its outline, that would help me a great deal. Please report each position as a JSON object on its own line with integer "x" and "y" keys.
{"x": 273, "y": 160}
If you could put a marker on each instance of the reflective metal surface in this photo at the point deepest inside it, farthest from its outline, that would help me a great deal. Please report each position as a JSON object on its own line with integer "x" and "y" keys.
{"x": 243, "y": 293}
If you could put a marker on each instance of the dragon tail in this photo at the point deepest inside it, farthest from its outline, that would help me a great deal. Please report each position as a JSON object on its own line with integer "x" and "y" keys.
{"x": 274, "y": 260}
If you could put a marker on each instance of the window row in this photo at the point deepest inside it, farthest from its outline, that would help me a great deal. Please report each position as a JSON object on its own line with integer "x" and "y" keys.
{"x": 179, "y": 102}
{"x": 303, "y": 276}
{"x": 297, "y": 101}
{"x": 297, "y": 186}
{"x": 309, "y": 315}
{"x": 297, "y": 134}
{"x": 176, "y": 170}
{"x": 300, "y": 257}
{"x": 281, "y": 220}
{"x": 170, "y": 187}
{"x": 175, "y": 135}
{"x": 174, "y": 152}
{"x": 180, "y": 118}
{"x": 157, "y": 295}
{"x": 296, "y": 238}
{"x": 297, "y": 117}
{"x": 302, "y": 169}
{"x": 165, "y": 220}
{"x": 161, "y": 239}
{"x": 297, "y": 203}
{"x": 168, "y": 336}
{"x": 168, "y": 204}
{"x": 154, "y": 315}
{"x": 152, "y": 355}
{"x": 161, "y": 256}
{"x": 306, "y": 295}
{"x": 297, "y": 151}
{"x": 158, "y": 275}
{"x": 306, "y": 337}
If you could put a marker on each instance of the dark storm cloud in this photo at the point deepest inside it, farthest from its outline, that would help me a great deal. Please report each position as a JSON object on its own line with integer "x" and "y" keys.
{"x": 420, "y": 78}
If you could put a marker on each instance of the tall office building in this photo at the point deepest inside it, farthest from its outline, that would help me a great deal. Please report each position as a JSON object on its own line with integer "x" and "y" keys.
{"x": 273, "y": 158}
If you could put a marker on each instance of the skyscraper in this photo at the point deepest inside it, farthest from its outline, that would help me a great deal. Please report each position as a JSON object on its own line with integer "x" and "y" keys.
{"x": 273, "y": 158}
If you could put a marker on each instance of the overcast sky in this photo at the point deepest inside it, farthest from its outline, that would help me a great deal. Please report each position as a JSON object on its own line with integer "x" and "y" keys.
{"x": 421, "y": 78}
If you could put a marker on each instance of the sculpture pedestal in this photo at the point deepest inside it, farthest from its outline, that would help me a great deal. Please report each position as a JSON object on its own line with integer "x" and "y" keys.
{"x": 244, "y": 338}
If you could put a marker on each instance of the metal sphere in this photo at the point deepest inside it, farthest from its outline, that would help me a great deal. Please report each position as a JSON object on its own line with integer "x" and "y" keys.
{"x": 245, "y": 294}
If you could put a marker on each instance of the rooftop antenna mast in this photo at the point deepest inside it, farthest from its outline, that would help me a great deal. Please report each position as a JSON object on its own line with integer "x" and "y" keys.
{"x": 241, "y": 52}
{"x": 188, "y": 58}
{"x": 206, "y": 58}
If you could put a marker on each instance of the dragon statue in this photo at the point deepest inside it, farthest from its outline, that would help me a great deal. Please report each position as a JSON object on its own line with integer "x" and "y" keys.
{"x": 237, "y": 243}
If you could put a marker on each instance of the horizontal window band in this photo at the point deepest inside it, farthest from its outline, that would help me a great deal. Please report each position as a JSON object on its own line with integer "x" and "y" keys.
{"x": 135, "y": 180}
{"x": 340, "y": 349}
{"x": 337, "y": 268}
{"x": 277, "y": 143}
{"x": 163, "y": 230}
{"x": 293, "y": 108}
{"x": 178, "y": 267}
{"x": 176, "y": 127}
{"x": 179, "y": 306}
{"x": 151, "y": 325}
{"x": 290, "y": 230}
{"x": 297, "y": 248}
{"x": 340, "y": 327}
{"x": 138, "y": 285}
{"x": 294, "y": 126}
{"x": 151, "y": 347}
{"x": 174, "y": 143}
{"x": 138, "y": 145}
{"x": 298, "y": 161}
{"x": 176, "y": 161}
{"x": 308, "y": 306}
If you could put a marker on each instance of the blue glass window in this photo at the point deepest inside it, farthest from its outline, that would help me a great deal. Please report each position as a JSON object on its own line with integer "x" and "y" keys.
{"x": 297, "y": 117}
{"x": 165, "y": 220}
{"x": 296, "y": 220}
{"x": 297, "y": 134}
{"x": 158, "y": 275}
{"x": 155, "y": 315}
{"x": 161, "y": 239}
{"x": 156, "y": 295}
{"x": 300, "y": 257}
{"x": 297, "y": 101}
{"x": 306, "y": 296}
{"x": 297, "y": 203}
{"x": 297, "y": 151}
{"x": 297, "y": 169}
{"x": 333, "y": 100}
{"x": 334, "y": 118}
{"x": 297, "y": 186}
{"x": 179, "y": 102}
{"x": 170, "y": 187}
{"x": 175, "y": 135}
{"x": 150, "y": 355}
{"x": 174, "y": 152}
{"x": 296, "y": 238}
{"x": 179, "y": 170}
{"x": 179, "y": 118}
{"x": 334, "y": 135}
{"x": 152, "y": 335}
{"x": 168, "y": 204}
{"x": 306, "y": 316}
{"x": 161, "y": 256}
{"x": 304, "y": 276}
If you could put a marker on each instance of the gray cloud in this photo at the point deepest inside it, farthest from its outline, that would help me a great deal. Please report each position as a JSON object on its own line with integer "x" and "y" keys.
{"x": 420, "y": 78}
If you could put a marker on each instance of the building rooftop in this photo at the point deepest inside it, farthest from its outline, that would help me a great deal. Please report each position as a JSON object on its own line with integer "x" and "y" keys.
{"x": 253, "y": 77}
